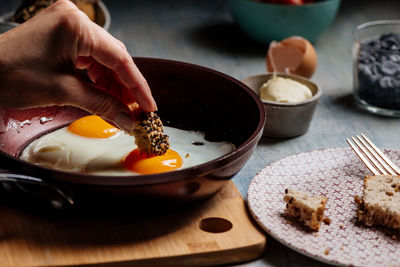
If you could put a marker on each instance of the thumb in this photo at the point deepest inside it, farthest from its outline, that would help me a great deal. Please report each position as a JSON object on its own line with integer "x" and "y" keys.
{"x": 97, "y": 101}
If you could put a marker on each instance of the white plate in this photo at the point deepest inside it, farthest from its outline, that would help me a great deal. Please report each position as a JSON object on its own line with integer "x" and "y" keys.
{"x": 337, "y": 174}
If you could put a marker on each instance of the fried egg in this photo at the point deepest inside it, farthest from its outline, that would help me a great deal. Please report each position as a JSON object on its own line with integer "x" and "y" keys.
{"x": 91, "y": 145}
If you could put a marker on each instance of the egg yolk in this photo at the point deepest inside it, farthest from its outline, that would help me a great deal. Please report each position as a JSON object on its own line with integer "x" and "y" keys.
{"x": 144, "y": 164}
{"x": 92, "y": 126}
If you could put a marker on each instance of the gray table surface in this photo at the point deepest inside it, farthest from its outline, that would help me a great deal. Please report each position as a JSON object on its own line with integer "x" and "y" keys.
{"x": 203, "y": 33}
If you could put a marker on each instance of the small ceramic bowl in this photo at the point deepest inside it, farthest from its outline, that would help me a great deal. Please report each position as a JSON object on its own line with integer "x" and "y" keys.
{"x": 266, "y": 22}
{"x": 286, "y": 119}
{"x": 103, "y": 18}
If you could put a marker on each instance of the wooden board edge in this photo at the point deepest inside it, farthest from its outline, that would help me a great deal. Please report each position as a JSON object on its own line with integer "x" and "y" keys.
{"x": 229, "y": 256}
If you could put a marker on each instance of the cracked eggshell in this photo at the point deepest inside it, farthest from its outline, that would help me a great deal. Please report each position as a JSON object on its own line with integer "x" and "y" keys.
{"x": 294, "y": 55}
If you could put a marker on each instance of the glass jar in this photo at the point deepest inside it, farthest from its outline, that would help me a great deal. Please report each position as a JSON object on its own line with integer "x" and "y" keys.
{"x": 376, "y": 56}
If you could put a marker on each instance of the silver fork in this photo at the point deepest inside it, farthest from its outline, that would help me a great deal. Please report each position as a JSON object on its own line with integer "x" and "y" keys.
{"x": 377, "y": 162}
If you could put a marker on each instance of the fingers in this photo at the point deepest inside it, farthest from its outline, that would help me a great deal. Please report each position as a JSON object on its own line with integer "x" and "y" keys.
{"x": 96, "y": 101}
{"x": 111, "y": 53}
{"x": 107, "y": 79}
{"x": 141, "y": 92}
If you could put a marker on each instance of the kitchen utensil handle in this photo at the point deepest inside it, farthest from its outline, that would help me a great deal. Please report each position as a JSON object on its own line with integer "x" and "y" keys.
{"x": 20, "y": 178}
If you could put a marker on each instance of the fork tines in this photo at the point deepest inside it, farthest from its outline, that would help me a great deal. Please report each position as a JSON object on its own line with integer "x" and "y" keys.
{"x": 377, "y": 162}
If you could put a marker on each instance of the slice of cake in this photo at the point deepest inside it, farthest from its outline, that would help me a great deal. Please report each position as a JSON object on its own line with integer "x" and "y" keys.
{"x": 309, "y": 210}
{"x": 380, "y": 203}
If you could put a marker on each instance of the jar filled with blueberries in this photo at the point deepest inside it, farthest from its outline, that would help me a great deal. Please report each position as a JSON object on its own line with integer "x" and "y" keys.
{"x": 376, "y": 56}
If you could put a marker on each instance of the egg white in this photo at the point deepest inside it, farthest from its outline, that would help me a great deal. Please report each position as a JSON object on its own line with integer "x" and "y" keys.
{"x": 67, "y": 151}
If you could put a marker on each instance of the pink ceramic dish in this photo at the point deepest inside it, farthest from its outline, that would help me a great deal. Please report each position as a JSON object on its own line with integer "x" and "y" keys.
{"x": 189, "y": 97}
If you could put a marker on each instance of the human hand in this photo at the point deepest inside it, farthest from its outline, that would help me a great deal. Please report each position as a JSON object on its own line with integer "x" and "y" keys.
{"x": 39, "y": 58}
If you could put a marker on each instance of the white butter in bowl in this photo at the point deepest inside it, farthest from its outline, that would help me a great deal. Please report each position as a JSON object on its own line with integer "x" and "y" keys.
{"x": 280, "y": 89}
{"x": 289, "y": 102}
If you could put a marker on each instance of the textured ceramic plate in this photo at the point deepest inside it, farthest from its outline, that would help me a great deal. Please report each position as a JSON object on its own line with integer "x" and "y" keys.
{"x": 337, "y": 174}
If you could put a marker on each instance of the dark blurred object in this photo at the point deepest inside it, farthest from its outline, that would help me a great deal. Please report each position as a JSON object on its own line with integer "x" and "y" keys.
{"x": 30, "y": 8}
{"x": 288, "y": 2}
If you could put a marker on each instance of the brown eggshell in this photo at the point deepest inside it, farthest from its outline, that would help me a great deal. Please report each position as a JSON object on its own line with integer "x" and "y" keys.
{"x": 294, "y": 55}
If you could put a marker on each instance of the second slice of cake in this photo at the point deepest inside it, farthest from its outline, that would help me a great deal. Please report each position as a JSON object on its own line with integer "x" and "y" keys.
{"x": 380, "y": 203}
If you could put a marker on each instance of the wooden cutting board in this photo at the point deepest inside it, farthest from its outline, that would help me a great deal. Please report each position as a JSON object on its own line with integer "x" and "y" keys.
{"x": 216, "y": 231}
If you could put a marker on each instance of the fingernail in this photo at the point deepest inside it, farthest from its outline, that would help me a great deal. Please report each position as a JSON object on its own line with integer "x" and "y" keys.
{"x": 155, "y": 106}
{"x": 125, "y": 122}
{"x": 146, "y": 103}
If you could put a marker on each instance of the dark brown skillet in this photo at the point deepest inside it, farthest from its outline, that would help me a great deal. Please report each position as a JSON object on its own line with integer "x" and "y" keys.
{"x": 189, "y": 97}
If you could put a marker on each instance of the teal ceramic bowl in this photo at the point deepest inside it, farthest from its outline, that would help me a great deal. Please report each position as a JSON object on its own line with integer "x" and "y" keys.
{"x": 266, "y": 22}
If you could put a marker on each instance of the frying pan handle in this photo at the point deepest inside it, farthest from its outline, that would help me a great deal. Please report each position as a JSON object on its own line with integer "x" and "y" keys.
{"x": 20, "y": 178}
